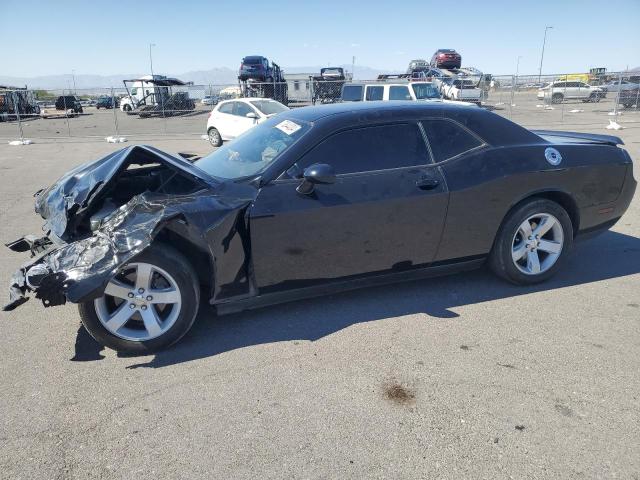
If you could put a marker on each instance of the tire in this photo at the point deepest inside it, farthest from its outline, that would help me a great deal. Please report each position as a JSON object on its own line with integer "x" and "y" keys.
{"x": 557, "y": 98}
{"x": 510, "y": 242}
{"x": 215, "y": 139}
{"x": 171, "y": 320}
{"x": 127, "y": 108}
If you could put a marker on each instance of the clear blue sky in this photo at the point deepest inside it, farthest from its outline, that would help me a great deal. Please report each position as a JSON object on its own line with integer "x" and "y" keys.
{"x": 111, "y": 37}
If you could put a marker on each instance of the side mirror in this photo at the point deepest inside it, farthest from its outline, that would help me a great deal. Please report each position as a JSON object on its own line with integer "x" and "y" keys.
{"x": 252, "y": 115}
{"x": 316, "y": 174}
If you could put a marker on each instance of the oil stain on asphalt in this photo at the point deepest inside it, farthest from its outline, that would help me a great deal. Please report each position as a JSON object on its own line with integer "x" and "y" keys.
{"x": 399, "y": 394}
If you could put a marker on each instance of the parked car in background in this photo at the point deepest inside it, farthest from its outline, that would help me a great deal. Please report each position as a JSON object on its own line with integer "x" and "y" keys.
{"x": 376, "y": 91}
{"x": 107, "y": 102}
{"x": 446, "y": 58}
{"x": 209, "y": 100}
{"x": 258, "y": 68}
{"x": 69, "y": 102}
{"x": 64, "y": 106}
{"x": 463, "y": 89}
{"x": 560, "y": 91}
{"x": 418, "y": 65}
{"x": 615, "y": 86}
{"x": 328, "y": 85}
{"x": 232, "y": 118}
{"x": 629, "y": 97}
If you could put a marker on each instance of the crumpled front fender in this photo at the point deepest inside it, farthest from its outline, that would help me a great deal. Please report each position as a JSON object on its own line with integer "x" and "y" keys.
{"x": 79, "y": 271}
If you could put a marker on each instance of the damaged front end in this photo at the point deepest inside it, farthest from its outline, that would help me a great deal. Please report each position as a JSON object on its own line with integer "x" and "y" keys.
{"x": 102, "y": 214}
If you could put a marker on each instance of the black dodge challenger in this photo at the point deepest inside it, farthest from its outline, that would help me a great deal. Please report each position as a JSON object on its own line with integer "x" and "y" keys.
{"x": 311, "y": 201}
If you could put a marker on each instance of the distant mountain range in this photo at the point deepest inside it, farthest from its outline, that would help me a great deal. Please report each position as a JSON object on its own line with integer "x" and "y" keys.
{"x": 215, "y": 76}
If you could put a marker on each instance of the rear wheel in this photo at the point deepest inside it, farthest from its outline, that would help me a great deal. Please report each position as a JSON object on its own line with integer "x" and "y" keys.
{"x": 149, "y": 304}
{"x": 532, "y": 243}
{"x": 214, "y": 137}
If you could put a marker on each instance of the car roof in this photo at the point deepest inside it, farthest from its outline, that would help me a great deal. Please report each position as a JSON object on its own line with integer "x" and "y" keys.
{"x": 247, "y": 100}
{"x": 311, "y": 114}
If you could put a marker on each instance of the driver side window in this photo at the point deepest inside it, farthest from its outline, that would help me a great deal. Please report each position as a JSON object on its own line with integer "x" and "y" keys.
{"x": 367, "y": 149}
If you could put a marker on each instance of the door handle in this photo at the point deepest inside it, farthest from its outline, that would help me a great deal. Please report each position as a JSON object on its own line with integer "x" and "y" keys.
{"x": 427, "y": 183}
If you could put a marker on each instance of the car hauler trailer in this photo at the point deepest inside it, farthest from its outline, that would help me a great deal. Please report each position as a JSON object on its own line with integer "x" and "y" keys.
{"x": 154, "y": 95}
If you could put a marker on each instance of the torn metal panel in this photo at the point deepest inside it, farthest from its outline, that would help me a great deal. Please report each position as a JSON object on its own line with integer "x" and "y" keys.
{"x": 79, "y": 270}
{"x": 62, "y": 204}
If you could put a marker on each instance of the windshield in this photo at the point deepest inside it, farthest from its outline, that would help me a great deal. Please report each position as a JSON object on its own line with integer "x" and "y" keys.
{"x": 268, "y": 107}
{"x": 251, "y": 153}
{"x": 425, "y": 90}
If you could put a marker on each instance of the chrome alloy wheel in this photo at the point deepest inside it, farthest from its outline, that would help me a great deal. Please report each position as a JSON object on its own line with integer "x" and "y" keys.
{"x": 537, "y": 244}
{"x": 140, "y": 303}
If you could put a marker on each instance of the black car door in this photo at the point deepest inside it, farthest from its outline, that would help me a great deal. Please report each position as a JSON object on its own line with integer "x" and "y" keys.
{"x": 385, "y": 212}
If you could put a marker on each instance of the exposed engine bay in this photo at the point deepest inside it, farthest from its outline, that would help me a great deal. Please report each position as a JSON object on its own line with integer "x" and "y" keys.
{"x": 101, "y": 214}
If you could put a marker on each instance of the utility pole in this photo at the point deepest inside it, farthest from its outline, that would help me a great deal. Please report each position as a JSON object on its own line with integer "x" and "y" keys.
{"x": 544, "y": 41}
{"x": 353, "y": 66}
{"x": 73, "y": 73}
{"x": 151, "y": 58}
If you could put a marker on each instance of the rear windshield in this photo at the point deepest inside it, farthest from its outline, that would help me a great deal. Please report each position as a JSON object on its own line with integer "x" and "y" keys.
{"x": 352, "y": 93}
{"x": 252, "y": 60}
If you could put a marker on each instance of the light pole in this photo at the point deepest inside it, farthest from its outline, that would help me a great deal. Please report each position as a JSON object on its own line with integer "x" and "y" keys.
{"x": 544, "y": 41}
{"x": 151, "y": 58}
{"x": 73, "y": 74}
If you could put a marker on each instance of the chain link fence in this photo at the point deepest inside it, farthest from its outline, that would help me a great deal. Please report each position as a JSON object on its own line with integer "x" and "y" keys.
{"x": 146, "y": 110}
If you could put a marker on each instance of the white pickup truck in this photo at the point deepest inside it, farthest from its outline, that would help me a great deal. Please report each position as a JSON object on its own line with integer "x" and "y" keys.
{"x": 465, "y": 90}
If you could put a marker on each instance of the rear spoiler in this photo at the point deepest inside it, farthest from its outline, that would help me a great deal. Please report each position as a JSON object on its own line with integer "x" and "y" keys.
{"x": 588, "y": 137}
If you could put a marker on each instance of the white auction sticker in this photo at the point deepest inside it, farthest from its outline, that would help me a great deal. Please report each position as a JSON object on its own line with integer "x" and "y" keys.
{"x": 288, "y": 127}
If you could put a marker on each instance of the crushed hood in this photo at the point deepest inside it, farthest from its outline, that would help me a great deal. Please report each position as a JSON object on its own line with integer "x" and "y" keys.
{"x": 78, "y": 268}
{"x": 62, "y": 204}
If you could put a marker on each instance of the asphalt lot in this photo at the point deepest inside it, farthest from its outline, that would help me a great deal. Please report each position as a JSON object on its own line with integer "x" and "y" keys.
{"x": 457, "y": 377}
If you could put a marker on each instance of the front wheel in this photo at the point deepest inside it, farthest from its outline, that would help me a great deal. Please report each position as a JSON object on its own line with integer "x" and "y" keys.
{"x": 149, "y": 304}
{"x": 532, "y": 243}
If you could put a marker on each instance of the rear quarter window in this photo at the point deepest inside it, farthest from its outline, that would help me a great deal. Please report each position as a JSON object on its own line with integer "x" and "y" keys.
{"x": 226, "y": 108}
{"x": 448, "y": 139}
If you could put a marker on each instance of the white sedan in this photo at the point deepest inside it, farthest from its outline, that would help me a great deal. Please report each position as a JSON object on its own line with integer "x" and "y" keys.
{"x": 231, "y": 118}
